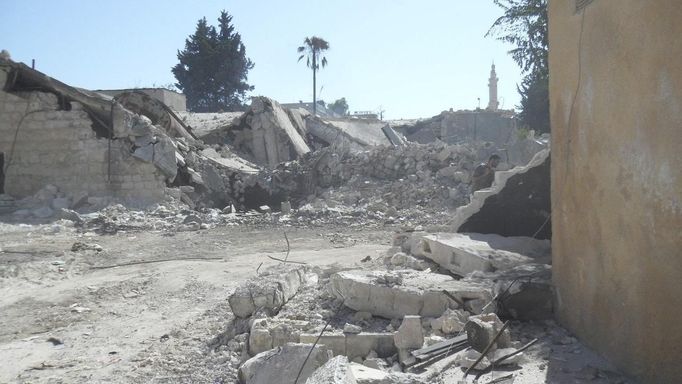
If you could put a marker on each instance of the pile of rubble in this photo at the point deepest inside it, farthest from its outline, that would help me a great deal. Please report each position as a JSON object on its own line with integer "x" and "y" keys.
{"x": 392, "y": 320}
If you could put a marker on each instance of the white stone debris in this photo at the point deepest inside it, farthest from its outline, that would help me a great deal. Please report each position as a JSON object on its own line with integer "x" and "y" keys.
{"x": 282, "y": 364}
{"x": 268, "y": 291}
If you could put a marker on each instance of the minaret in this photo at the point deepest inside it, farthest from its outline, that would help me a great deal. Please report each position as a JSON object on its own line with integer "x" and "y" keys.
{"x": 492, "y": 90}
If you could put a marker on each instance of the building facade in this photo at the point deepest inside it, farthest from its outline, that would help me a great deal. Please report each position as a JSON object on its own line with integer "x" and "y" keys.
{"x": 616, "y": 114}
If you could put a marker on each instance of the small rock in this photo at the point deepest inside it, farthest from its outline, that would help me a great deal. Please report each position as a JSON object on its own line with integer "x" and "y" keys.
{"x": 350, "y": 328}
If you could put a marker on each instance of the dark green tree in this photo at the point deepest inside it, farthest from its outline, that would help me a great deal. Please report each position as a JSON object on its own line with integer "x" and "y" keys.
{"x": 213, "y": 68}
{"x": 524, "y": 25}
{"x": 340, "y": 106}
{"x": 312, "y": 48}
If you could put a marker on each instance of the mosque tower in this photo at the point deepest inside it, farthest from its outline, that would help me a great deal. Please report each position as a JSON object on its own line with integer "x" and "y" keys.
{"x": 492, "y": 90}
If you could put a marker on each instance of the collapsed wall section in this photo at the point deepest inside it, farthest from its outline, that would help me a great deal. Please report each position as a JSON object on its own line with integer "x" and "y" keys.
{"x": 44, "y": 143}
{"x": 517, "y": 204}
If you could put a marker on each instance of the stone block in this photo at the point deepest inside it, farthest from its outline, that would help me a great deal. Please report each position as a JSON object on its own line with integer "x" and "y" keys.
{"x": 335, "y": 371}
{"x": 395, "y": 294}
{"x": 260, "y": 339}
{"x": 335, "y": 343}
{"x": 410, "y": 334}
{"x": 268, "y": 291}
{"x": 281, "y": 365}
{"x": 481, "y": 330}
{"x": 466, "y": 253}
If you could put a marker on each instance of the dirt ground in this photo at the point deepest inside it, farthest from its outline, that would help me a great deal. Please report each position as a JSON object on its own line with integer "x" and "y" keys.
{"x": 138, "y": 323}
{"x": 76, "y": 315}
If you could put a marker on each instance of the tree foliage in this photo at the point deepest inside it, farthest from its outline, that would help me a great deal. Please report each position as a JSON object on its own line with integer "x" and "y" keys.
{"x": 524, "y": 25}
{"x": 340, "y": 106}
{"x": 312, "y": 49}
{"x": 213, "y": 68}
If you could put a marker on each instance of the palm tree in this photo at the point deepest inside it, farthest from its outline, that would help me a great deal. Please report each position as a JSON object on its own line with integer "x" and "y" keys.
{"x": 312, "y": 48}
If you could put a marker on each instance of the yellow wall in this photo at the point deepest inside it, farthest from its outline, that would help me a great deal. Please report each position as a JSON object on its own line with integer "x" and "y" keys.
{"x": 616, "y": 111}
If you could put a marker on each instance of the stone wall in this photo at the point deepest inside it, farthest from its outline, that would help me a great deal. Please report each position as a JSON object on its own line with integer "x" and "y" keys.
{"x": 616, "y": 113}
{"x": 45, "y": 144}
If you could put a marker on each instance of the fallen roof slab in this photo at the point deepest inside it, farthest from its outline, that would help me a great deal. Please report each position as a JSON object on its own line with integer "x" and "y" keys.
{"x": 517, "y": 204}
{"x": 463, "y": 253}
{"x": 397, "y": 293}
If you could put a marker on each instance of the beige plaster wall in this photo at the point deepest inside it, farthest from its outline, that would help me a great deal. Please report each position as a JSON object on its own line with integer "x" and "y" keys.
{"x": 616, "y": 111}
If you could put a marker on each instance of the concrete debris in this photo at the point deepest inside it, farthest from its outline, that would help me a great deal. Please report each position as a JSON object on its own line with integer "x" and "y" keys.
{"x": 340, "y": 371}
{"x": 524, "y": 292}
{"x": 268, "y": 333}
{"x": 352, "y": 328}
{"x": 409, "y": 337}
{"x": 282, "y": 364}
{"x": 491, "y": 131}
{"x": 450, "y": 322}
{"x": 267, "y": 292}
{"x": 335, "y": 371}
{"x": 402, "y": 260}
{"x": 481, "y": 330}
{"x": 462, "y": 254}
{"x": 394, "y": 294}
{"x": 469, "y": 357}
{"x": 520, "y": 195}
{"x": 80, "y": 246}
{"x": 264, "y": 134}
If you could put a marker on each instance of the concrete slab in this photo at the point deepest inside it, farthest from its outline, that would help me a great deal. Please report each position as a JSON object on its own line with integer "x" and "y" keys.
{"x": 394, "y": 294}
{"x": 463, "y": 253}
{"x": 281, "y": 365}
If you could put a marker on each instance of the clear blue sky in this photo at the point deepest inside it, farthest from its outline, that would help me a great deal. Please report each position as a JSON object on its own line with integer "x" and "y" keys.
{"x": 414, "y": 58}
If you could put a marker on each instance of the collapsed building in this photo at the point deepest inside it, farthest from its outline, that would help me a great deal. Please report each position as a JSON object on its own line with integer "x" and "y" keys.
{"x": 131, "y": 147}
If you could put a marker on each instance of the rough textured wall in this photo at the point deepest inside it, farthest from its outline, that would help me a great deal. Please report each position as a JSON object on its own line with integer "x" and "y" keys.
{"x": 616, "y": 110}
{"x": 45, "y": 145}
{"x": 477, "y": 125}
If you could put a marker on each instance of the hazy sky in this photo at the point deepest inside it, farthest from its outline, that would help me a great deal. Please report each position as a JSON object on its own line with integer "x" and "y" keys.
{"x": 413, "y": 58}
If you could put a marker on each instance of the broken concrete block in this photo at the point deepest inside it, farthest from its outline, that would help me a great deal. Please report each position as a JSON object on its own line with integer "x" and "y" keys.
{"x": 260, "y": 339}
{"x": 351, "y": 328}
{"x": 335, "y": 371}
{"x": 401, "y": 259}
{"x": 481, "y": 330}
{"x": 479, "y": 306}
{"x": 268, "y": 291}
{"x": 281, "y": 365}
{"x": 366, "y": 375}
{"x": 451, "y": 321}
{"x": 409, "y": 337}
{"x": 410, "y": 333}
{"x": 395, "y": 294}
{"x": 334, "y": 342}
{"x": 463, "y": 253}
{"x": 68, "y": 214}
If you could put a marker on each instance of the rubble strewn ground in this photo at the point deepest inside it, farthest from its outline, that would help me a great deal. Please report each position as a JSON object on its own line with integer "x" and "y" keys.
{"x": 71, "y": 315}
{"x": 280, "y": 247}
